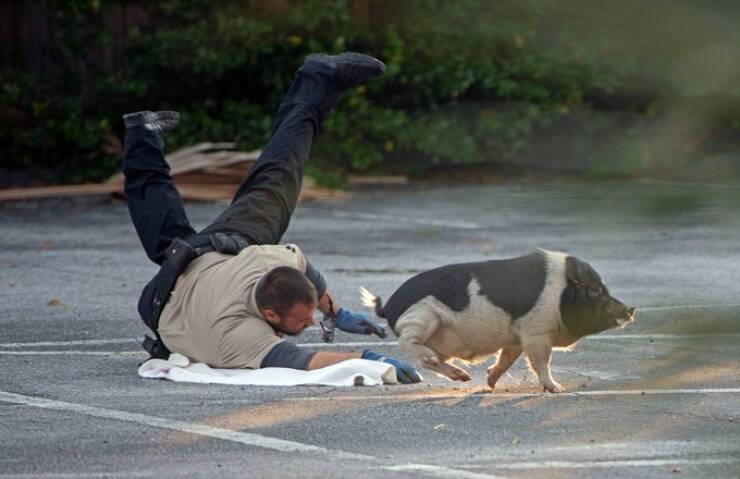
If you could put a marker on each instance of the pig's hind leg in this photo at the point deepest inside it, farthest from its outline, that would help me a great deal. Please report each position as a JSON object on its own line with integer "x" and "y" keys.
{"x": 414, "y": 328}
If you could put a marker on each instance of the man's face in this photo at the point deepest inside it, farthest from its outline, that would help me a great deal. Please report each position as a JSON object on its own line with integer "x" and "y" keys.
{"x": 299, "y": 317}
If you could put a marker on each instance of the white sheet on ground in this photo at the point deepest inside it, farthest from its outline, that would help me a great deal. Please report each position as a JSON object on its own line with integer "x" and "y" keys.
{"x": 353, "y": 372}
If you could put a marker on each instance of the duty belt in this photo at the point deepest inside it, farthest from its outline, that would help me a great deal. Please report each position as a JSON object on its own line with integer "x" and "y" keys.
{"x": 178, "y": 256}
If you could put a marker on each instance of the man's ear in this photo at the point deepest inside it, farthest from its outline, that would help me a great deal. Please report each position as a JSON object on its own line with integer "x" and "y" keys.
{"x": 270, "y": 315}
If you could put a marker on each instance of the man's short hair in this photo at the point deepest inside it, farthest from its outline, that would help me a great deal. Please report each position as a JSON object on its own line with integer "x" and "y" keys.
{"x": 282, "y": 287}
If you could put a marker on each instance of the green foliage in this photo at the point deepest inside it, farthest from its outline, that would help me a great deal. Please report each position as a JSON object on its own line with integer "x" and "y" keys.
{"x": 468, "y": 82}
{"x": 628, "y": 158}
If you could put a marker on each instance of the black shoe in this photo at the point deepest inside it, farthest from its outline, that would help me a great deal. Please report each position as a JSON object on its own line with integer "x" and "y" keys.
{"x": 351, "y": 68}
{"x": 159, "y": 121}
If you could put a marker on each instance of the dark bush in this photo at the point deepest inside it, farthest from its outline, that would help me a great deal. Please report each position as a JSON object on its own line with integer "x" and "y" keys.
{"x": 469, "y": 82}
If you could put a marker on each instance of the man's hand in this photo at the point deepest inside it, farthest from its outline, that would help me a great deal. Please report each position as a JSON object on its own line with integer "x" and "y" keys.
{"x": 358, "y": 323}
{"x": 404, "y": 372}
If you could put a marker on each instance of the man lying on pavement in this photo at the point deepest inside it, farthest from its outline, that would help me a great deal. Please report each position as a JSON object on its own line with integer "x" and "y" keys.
{"x": 226, "y": 295}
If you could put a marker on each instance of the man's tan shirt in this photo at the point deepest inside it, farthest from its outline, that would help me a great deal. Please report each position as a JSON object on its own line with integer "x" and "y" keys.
{"x": 212, "y": 316}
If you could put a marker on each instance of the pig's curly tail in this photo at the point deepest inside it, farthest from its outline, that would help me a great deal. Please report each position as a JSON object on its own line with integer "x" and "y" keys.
{"x": 372, "y": 301}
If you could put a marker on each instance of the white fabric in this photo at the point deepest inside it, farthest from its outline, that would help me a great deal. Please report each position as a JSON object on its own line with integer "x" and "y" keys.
{"x": 353, "y": 372}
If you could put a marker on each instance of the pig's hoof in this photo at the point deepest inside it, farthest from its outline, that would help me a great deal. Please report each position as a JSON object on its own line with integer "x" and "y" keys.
{"x": 462, "y": 376}
{"x": 492, "y": 380}
{"x": 554, "y": 388}
{"x": 457, "y": 374}
{"x": 430, "y": 360}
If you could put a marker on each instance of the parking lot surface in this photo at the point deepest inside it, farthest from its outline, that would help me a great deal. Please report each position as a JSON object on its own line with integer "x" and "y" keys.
{"x": 659, "y": 398}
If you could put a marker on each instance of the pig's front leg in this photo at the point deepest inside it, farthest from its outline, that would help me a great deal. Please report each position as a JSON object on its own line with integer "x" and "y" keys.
{"x": 538, "y": 354}
{"x": 507, "y": 357}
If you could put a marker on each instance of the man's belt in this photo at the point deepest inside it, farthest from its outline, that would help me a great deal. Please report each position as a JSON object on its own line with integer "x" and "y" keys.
{"x": 226, "y": 243}
{"x": 178, "y": 256}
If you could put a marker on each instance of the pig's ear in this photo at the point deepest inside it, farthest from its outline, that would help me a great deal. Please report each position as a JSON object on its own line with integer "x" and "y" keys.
{"x": 577, "y": 271}
{"x": 573, "y": 270}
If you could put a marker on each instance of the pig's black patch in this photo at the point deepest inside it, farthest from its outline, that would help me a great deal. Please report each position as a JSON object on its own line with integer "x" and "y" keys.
{"x": 583, "y": 313}
{"x": 449, "y": 284}
{"x": 513, "y": 285}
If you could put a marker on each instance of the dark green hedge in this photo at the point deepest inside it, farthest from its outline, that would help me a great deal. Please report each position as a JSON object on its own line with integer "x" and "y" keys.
{"x": 468, "y": 81}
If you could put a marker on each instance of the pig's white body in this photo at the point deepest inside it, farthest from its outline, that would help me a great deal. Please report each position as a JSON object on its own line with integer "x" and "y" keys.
{"x": 482, "y": 329}
{"x": 471, "y": 311}
{"x": 435, "y": 334}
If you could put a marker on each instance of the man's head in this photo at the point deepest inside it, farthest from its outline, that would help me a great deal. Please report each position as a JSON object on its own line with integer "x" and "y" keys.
{"x": 287, "y": 299}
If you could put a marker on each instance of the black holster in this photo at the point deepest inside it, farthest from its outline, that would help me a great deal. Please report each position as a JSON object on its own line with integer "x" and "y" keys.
{"x": 178, "y": 256}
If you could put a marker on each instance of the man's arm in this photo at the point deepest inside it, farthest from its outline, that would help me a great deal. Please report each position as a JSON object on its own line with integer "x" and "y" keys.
{"x": 316, "y": 278}
{"x": 345, "y": 319}
{"x": 288, "y": 355}
{"x": 404, "y": 372}
{"x": 327, "y": 303}
{"x": 324, "y": 359}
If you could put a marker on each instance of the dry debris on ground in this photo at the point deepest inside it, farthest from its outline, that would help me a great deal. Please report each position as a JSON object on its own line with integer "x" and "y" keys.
{"x": 206, "y": 172}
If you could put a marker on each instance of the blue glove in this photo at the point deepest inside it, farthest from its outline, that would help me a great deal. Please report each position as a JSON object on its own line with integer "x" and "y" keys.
{"x": 357, "y": 323}
{"x": 405, "y": 373}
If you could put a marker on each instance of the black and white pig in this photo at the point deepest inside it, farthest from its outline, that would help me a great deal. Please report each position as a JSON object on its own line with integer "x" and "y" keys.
{"x": 470, "y": 311}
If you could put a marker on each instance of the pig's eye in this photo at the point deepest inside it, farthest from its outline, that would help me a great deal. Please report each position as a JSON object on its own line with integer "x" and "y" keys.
{"x": 595, "y": 291}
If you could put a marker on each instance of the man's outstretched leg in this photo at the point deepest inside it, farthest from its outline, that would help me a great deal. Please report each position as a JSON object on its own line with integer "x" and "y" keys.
{"x": 265, "y": 201}
{"x": 153, "y": 201}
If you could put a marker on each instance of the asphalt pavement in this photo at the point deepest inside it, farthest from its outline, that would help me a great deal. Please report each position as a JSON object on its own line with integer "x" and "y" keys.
{"x": 660, "y": 398}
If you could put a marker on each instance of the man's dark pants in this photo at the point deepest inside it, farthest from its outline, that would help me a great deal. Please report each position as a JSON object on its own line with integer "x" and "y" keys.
{"x": 263, "y": 204}
{"x": 261, "y": 208}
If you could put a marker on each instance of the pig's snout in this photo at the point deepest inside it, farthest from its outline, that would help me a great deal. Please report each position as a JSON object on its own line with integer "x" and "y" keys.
{"x": 621, "y": 313}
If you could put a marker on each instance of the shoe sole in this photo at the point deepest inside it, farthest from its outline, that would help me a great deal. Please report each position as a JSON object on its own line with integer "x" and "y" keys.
{"x": 143, "y": 117}
{"x": 165, "y": 115}
{"x": 351, "y": 57}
